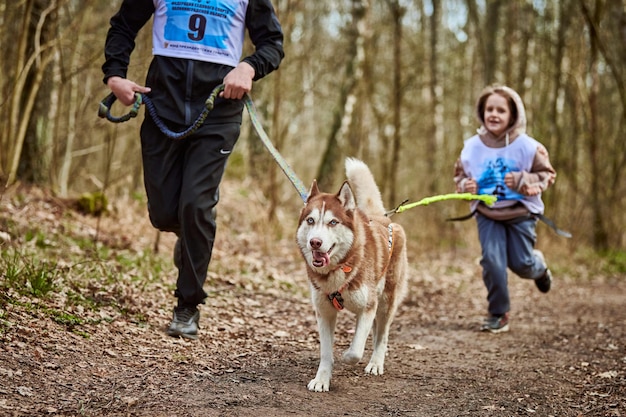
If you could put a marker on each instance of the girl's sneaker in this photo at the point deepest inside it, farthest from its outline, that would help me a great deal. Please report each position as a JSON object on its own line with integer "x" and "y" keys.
{"x": 544, "y": 282}
{"x": 496, "y": 323}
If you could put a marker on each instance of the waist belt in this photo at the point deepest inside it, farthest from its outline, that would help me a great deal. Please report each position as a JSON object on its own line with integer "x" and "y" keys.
{"x": 539, "y": 216}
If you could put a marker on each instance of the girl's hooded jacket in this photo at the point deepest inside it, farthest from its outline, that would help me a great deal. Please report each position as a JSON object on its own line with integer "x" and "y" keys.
{"x": 487, "y": 159}
{"x": 195, "y": 44}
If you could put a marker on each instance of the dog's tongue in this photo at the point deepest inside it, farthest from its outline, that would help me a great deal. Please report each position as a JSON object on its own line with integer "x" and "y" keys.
{"x": 320, "y": 258}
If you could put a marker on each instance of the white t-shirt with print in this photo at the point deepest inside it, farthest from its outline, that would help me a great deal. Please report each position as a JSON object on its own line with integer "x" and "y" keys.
{"x": 488, "y": 166}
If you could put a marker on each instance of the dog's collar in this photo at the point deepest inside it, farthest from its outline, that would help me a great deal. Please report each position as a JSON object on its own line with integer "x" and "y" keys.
{"x": 335, "y": 298}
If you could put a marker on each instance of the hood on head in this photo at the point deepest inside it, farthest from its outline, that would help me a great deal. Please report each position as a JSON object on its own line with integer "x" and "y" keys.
{"x": 518, "y": 112}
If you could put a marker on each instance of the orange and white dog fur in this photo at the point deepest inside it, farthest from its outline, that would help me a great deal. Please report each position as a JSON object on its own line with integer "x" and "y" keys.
{"x": 356, "y": 260}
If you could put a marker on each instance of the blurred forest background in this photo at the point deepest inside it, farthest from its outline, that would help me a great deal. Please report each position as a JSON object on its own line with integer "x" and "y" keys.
{"x": 393, "y": 82}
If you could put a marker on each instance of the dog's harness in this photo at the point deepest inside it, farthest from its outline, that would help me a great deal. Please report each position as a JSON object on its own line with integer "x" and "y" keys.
{"x": 335, "y": 298}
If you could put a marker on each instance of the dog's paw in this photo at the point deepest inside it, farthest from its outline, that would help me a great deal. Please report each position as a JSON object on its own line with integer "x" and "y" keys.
{"x": 319, "y": 385}
{"x": 374, "y": 368}
{"x": 351, "y": 358}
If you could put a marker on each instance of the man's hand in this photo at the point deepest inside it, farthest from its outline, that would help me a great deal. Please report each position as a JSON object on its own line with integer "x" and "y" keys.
{"x": 125, "y": 89}
{"x": 238, "y": 81}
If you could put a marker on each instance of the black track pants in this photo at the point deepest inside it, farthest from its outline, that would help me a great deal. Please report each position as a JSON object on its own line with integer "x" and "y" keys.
{"x": 182, "y": 179}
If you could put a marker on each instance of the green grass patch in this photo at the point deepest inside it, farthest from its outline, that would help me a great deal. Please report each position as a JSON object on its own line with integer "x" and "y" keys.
{"x": 26, "y": 275}
{"x": 71, "y": 287}
{"x": 614, "y": 262}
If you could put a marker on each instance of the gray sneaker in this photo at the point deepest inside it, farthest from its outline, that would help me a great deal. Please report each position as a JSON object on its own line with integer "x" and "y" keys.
{"x": 184, "y": 323}
{"x": 496, "y": 324}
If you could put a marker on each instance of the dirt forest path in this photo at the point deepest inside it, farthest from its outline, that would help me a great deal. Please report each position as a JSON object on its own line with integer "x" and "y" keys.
{"x": 564, "y": 356}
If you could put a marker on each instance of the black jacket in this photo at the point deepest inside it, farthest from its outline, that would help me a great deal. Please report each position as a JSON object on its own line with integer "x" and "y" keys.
{"x": 180, "y": 87}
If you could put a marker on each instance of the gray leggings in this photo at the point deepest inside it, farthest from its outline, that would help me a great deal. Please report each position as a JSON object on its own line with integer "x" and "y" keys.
{"x": 507, "y": 244}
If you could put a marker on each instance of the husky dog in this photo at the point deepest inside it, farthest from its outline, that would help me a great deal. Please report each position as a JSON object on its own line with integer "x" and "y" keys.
{"x": 355, "y": 259}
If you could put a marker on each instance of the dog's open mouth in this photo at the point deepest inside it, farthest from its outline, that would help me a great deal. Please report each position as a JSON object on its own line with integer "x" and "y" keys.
{"x": 321, "y": 259}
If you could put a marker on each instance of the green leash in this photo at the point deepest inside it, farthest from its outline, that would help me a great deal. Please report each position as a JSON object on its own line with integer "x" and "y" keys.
{"x": 289, "y": 172}
{"x": 485, "y": 198}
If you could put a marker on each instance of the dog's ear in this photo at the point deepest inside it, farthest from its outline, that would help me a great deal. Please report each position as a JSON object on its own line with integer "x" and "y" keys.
{"x": 346, "y": 196}
{"x": 313, "y": 191}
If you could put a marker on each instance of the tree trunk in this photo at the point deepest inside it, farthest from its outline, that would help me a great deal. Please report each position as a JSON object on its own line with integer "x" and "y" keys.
{"x": 15, "y": 92}
{"x": 490, "y": 38}
{"x": 66, "y": 164}
{"x": 279, "y": 135}
{"x": 555, "y": 139}
{"x": 335, "y": 145}
{"x": 600, "y": 234}
{"x": 435, "y": 133}
{"x": 27, "y": 85}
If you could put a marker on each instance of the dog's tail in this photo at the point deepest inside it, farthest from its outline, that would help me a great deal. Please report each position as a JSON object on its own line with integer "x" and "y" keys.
{"x": 364, "y": 186}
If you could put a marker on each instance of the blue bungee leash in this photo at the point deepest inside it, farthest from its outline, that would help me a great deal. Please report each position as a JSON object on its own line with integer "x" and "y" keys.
{"x": 140, "y": 98}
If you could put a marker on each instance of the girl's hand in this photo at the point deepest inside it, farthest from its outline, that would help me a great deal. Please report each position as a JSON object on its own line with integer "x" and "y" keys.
{"x": 509, "y": 181}
{"x": 470, "y": 186}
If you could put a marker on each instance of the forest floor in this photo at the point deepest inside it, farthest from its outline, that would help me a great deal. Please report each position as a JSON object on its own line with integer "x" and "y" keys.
{"x": 258, "y": 348}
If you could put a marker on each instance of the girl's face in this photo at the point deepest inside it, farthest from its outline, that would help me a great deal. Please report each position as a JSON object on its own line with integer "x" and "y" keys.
{"x": 497, "y": 114}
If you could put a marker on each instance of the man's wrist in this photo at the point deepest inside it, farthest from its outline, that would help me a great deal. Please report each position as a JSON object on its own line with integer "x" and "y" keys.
{"x": 249, "y": 68}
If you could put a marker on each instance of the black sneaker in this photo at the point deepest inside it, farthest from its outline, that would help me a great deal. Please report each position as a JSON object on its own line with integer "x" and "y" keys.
{"x": 184, "y": 323}
{"x": 496, "y": 323}
{"x": 544, "y": 282}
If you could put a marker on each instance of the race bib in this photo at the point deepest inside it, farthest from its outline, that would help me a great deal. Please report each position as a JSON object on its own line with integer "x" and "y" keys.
{"x": 209, "y": 30}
